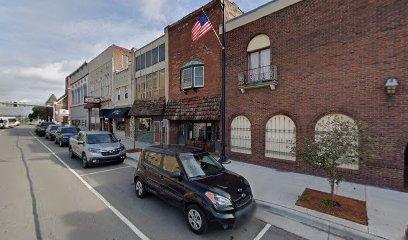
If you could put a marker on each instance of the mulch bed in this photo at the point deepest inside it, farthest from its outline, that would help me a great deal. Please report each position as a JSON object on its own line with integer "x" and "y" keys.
{"x": 350, "y": 209}
{"x": 133, "y": 150}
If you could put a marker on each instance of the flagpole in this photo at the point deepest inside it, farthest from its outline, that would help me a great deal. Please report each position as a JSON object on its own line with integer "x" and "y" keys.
{"x": 223, "y": 158}
{"x": 212, "y": 27}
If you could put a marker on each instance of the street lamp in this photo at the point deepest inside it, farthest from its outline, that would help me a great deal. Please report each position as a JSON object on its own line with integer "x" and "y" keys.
{"x": 390, "y": 88}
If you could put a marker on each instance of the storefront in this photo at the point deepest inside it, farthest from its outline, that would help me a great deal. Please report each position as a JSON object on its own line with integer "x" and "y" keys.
{"x": 203, "y": 135}
{"x": 116, "y": 120}
{"x": 147, "y": 115}
{"x": 195, "y": 122}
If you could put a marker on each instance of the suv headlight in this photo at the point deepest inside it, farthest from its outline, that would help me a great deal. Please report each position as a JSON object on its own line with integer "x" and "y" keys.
{"x": 94, "y": 150}
{"x": 122, "y": 147}
{"x": 218, "y": 200}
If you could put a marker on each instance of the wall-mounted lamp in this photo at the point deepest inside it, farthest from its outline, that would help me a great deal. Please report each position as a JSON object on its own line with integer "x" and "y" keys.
{"x": 391, "y": 88}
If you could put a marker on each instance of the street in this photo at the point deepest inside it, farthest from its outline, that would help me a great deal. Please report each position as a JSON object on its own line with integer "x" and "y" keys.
{"x": 44, "y": 194}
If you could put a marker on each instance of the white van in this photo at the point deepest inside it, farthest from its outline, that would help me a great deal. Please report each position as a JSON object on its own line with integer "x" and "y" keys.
{"x": 4, "y": 122}
{"x": 12, "y": 122}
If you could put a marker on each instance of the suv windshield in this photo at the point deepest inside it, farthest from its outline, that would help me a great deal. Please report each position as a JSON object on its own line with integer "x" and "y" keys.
{"x": 100, "y": 138}
{"x": 1, "y": 121}
{"x": 69, "y": 130}
{"x": 12, "y": 120}
{"x": 200, "y": 165}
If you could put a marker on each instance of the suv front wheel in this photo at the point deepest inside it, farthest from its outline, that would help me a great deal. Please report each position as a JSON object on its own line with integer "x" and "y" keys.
{"x": 197, "y": 221}
{"x": 84, "y": 161}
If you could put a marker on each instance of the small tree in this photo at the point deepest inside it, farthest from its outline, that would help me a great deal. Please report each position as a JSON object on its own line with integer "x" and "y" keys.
{"x": 337, "y": 142}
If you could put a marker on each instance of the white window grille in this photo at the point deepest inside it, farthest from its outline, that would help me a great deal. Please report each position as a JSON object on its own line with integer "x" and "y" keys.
{"x": 280, "y": 138}
{"x": 241, "y": 135}
{"x": 323, "y": 122}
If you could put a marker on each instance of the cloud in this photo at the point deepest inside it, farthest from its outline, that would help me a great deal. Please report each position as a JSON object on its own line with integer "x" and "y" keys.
{"x": 42, "y": 42}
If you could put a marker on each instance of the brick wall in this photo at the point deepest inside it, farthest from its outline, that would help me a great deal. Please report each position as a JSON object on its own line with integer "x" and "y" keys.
{"x": 207, "y": 49}
{"x": 331, "y": 56}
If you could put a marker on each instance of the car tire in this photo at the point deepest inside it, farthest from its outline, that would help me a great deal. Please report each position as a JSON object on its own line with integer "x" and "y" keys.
{"x": 196, "y": 219}
{"x": 72, "y": 152}
{"x": 84, "y": 161}
{"x": 121, "y": 161}
{"x": 140, "y": 189}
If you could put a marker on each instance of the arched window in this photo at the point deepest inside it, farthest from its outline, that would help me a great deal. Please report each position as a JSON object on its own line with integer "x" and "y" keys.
{"x": 259, "y": 59}
{"x": 241, "y": 135}
{"x": 322, "y": 125}
{"x": 280, "y": 138}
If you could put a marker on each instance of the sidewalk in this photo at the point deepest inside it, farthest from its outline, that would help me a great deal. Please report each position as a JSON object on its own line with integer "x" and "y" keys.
{"x": 277, "y": 193}
{"x": 130, "y": 144}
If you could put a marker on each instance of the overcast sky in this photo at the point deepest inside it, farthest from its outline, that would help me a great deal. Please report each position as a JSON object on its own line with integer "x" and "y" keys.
{"x": 43, "y": 41}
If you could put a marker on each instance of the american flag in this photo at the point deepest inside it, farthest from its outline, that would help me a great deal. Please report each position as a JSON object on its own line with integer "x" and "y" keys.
{"x": 201, "y": 27}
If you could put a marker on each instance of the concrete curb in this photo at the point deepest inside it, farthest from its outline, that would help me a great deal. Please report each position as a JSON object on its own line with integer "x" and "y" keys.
{"x": 321, "y": 224}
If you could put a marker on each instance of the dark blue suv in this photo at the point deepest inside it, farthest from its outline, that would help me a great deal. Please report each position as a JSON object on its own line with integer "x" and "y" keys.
{"x": 192, "y": 180}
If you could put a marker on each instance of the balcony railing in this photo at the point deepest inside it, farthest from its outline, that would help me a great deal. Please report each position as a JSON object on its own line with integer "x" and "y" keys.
{"x": 258, "y": 77}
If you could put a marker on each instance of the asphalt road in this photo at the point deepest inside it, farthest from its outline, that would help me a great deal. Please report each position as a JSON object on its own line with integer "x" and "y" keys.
{"x": 44, "y": 194}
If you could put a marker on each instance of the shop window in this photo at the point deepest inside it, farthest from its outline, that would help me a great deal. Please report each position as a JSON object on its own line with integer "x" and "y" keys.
{"x": 120, "y": 124}
{"x": 241, "y": 135}
{"x": 321, "y": 126}
{"x": 145, "y": 124}
{"x": 280, "y": 138}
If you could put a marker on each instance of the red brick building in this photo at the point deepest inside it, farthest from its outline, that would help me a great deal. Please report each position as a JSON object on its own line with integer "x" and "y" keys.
{"x": 292, "y": 64}
{"x": 195, "y": 79}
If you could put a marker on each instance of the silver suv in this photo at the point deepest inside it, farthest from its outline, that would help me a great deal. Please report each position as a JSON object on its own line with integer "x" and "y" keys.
{"x": 96, "y": 147}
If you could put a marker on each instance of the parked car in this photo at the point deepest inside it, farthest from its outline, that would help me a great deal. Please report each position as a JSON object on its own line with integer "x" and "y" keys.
{"x": 96, "y": 147}
{"x": 63, "y": 134}
{"x": 41, "y": 127}
{"x": 50, "y": 131}
{"x": 192, "y": 180}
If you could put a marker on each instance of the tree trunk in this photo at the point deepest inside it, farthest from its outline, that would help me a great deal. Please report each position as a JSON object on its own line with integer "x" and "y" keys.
{"x": 332, "y": 191}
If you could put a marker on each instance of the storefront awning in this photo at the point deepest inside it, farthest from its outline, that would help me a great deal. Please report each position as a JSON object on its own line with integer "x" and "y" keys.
{"x": 148, "y": 107}
{"x": 196, "y": 109}
{"x": 114, "y": 113}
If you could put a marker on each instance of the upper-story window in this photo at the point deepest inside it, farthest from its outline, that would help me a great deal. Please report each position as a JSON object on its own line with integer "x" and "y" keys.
{"x": 151, "y": 85}
{"x": 162, "y": 52}
{"x": 259, "y": 59}
{"x": 126, "y": 93}
{"x": 192, "y": 75}
{"x": 151, "y": 57}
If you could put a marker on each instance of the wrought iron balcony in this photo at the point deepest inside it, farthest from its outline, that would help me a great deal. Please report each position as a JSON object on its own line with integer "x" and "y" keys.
{"x": 258, "y": 77}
